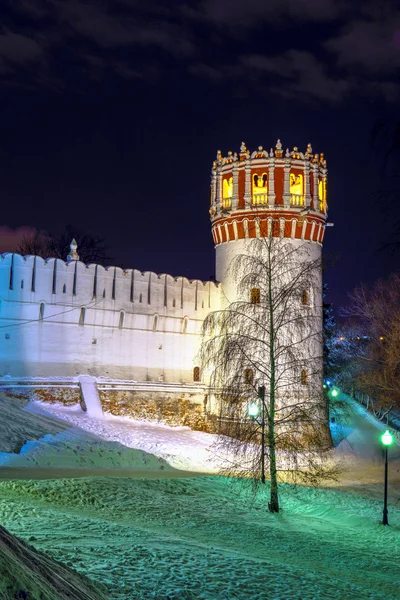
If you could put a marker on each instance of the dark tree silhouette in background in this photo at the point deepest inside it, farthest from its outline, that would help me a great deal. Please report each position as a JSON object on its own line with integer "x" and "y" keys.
{"x": 92, "y": 248}
{"x": 370, "y": 346}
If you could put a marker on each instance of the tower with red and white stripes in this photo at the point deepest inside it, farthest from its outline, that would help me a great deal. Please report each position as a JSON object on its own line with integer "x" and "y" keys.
{"x": 258, "y": 193}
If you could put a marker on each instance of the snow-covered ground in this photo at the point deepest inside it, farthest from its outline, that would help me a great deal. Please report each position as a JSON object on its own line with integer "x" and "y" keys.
{"x": 201, "y": 537}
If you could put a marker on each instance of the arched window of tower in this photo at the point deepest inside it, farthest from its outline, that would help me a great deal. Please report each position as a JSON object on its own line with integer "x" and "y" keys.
{"x": 227, "y": 191}
{"x": 82, "y": 316}
{"x": 121, "y": 319}
{"x": 41, "y": 311}
{"x": 255, "y": 296}
{"x": 196, "y": 374}
{"x": 260, "y": 189}
{"x": 296, "y": 189}
{"x": 249, "y": 376}
{"x": 304, "y": 377}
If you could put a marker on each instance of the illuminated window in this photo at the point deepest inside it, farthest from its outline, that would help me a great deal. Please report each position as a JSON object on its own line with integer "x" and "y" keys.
{"x": 41, "y": 311}
{"x": 304, "y": 377}
{"x": 249, "y": 376}
{"x": 227, "y": 191}
{"x": 296, "y": 189}
{"x": 304, "y": 298}
{"x": 196, "y": 374}
{"x": 121, "y": 319}
{"x": 260, "y": 189}
{"x": 322, "y": 194}
{"x": 82, "y": 316}
{"x": 255, "y": 296}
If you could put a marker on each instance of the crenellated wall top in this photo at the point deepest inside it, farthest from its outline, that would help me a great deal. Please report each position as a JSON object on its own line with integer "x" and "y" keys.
{"x": 34, "y": 279}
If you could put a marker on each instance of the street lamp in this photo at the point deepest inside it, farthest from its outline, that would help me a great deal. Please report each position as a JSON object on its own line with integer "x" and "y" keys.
{"x": 254, "y": 411}
{"x": 334, "y": 393}
{"x": 387, "y": 440}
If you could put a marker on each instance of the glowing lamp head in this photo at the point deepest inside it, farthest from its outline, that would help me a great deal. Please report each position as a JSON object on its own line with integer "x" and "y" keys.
{"x": 253, "y": 410}
{"x": 387, "y": 438}
{"x": 328, "y": 382}
{"x": 334, "y": 393}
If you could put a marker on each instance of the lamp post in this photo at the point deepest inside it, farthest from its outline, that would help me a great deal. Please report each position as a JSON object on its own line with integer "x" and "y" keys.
{"x": 386, "y": 440}
{"x": 254, "y": 411}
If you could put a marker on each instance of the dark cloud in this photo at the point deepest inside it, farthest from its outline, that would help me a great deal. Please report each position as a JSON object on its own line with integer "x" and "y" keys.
{"x": 320, "y": 50}
{"x": 298, "y": 74}
{"x": 252, "y": 13}
{"x": 373, "y": 46}
{"x": 18, "y": 49}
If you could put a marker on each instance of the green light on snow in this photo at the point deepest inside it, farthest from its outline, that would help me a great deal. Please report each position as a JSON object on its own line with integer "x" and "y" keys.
{"x": 387, "y": 438}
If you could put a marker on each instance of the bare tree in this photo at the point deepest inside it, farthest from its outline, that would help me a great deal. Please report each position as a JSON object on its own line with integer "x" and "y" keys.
{"x": 375, "y": 352}
{"x": 266, "y": 348}
{"x": 92, "y": 248}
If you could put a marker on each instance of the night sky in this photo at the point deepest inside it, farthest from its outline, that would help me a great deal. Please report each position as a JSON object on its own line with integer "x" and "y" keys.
{"x": 113, "y": 111}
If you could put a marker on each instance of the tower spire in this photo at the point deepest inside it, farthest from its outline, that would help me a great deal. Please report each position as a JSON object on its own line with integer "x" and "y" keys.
{"x": 73, "y": 254}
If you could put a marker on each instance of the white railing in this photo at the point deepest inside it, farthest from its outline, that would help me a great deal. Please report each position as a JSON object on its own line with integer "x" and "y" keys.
{"x": 259, "y": 199}
{"x": 296, "y": 200}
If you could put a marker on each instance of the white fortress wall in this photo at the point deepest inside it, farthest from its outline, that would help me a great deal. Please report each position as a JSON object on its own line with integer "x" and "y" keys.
{"x": 62, "y": 319}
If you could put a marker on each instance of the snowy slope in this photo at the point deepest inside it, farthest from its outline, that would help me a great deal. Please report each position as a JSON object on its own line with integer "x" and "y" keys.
{"x": 18, "y": 426}
{"x": 27, "y": 573}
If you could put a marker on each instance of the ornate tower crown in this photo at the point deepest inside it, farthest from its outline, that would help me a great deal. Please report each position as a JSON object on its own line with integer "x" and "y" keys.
{"x": 276, "y": 191}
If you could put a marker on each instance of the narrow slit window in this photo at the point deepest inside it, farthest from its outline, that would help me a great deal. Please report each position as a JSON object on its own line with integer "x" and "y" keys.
{"x": 184, "y": 325}
{"x": 196, "y": 374}
{"x": 255, "y": 296}
{"x": 155, "y": 323}
{"x": 121, "y": 319}
{"x": 41, "y": 311}
{"x": 22, "y": 284}
{"x": 82, "y": 316}
{"x": 304, "y": 377}
{"x": 64, "y": 289}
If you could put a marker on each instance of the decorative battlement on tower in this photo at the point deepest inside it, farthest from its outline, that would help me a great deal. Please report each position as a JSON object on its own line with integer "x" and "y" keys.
{"x": 256, "y": 193}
